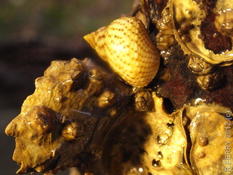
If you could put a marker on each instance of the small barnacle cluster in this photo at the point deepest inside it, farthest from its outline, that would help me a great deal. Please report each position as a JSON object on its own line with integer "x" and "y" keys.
{"x": 58, "y": 119}
{"x": 185, "y": 21}
{"x": 165, "y": 106}
{"x": 181, "y": 143}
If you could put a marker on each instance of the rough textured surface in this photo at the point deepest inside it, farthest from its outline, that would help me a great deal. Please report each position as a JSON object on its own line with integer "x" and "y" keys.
{"x": 75, "y": 118}
{"x": 181, "y": 123}
{"x": 185, "y": 76}
{"x": 59, "y": 118}
{"x": 178, "y": 84}
{"x": 67, "y": 123}
{"x": 212, "y": 139}
{"x": 157, "y": 145}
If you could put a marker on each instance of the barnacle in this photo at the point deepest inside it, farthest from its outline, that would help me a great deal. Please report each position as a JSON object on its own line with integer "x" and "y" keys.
{"x": 198, "y": 66}
{"x": 224, "y": 18}
{"x": 210, "y": 81}
{"x": 165, "y": 37}
{"x": 143, "y": 101}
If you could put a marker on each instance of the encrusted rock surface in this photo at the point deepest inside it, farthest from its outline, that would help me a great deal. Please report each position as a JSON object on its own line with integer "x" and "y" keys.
{"x": 57, "y": 121}
{"x": 82, "y": 115}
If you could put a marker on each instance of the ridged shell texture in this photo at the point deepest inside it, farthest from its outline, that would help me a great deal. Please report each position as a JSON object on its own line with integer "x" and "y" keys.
{"x": 125, "y": 45}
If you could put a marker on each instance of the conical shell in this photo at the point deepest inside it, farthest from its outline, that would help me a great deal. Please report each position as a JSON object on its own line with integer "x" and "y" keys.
{"x": 125, "y": 45}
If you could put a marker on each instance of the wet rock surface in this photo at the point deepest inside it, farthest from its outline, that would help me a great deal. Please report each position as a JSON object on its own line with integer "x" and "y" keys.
{"x": 62, "y": 112}
{"x": 83, "y": 115}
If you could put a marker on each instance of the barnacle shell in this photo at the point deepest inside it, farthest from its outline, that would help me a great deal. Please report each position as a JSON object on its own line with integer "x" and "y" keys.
{"x": 198, "y": 66}
{"x": 70, "y": 131}
{"x": 106, "y": 99}
{"x": 125, "y": 45}
{"x": 143, "y": 101}
{"x": 165, "y": 38}
{"x": 187, "y": 18}
{"x": 210, "y": 81}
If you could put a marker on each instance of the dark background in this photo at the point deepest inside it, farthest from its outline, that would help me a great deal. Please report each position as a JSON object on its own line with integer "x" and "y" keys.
{"x": 32, "y": 33}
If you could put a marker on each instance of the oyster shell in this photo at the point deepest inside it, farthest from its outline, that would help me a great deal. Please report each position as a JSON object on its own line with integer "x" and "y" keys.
{"x": 212, "y": 139}
{"x": 166, "y": 147}
{"x": 157, "y": 144}
{"x": 190, "y": 13}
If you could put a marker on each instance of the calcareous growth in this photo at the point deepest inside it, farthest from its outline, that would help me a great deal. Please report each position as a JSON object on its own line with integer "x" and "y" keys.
{"x": 187, "y": 18}
{"x": 176, "y": 116}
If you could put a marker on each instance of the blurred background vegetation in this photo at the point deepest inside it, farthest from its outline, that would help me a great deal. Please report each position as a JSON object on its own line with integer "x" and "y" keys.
{"x": 49, "y": 20}
{"x": 32, "y": 33}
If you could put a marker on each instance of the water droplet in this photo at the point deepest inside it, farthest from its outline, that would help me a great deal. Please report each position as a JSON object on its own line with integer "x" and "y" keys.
{"x": 160, "y": 155}
{"x": 53, "y": 152}
{"x": 170, "y": 124}
{"x": 187, "y": 11}
{"x": 135, "y": 171}
{"x": 162, "y": 139}
{"x": 140, "y": 169}
{"x": 155, "y": 163}
{"x": 169, "y": 132}
{"x": 215, "y": 35}
{"x": 58, "y": 99}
